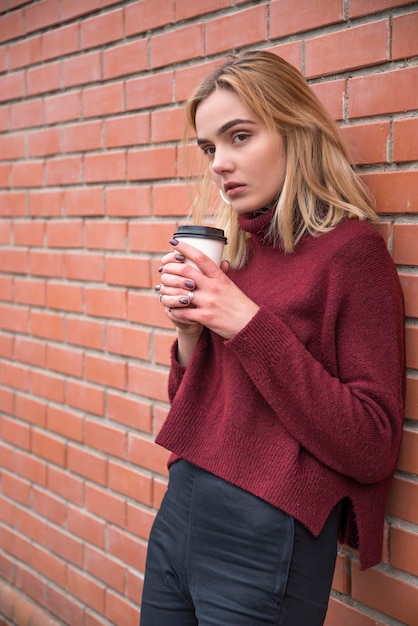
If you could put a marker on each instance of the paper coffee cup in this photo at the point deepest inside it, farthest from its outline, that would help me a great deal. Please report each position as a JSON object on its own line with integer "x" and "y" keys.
{"x": 209, "y": 240}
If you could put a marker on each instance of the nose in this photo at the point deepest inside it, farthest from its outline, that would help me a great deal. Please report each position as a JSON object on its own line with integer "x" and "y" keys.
{"x": 222, "y": 162}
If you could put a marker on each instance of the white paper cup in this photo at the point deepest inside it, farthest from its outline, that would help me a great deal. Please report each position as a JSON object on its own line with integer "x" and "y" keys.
{"x": 210, "y": 241}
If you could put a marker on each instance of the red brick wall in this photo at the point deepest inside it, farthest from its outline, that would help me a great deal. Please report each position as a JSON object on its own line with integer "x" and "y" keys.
{"x": 91, "y": 189}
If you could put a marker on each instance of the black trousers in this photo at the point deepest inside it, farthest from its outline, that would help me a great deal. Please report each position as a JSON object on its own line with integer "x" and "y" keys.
{"x": 219, "y": 556}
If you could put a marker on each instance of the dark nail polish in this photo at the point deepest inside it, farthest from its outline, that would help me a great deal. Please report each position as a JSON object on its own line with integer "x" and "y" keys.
{"x": 189, "y": 284}
{"x": 160, "y": 269}
{"x": 184, "y": 300}
{"x": 179, "y": 257}
{"x": 173, "y": 242}
{"x": 157, "y": 287}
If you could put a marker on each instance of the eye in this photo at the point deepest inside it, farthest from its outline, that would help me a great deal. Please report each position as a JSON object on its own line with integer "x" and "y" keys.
{"x": 209, "y": 151}
{"x": 240, "y": 137}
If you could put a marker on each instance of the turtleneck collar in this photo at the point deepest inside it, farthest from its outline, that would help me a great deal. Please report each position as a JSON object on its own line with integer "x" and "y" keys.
{"x": 256, "y": 224}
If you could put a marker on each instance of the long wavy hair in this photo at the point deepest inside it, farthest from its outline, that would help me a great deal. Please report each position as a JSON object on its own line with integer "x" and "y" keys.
{"x": 320, "y": 187}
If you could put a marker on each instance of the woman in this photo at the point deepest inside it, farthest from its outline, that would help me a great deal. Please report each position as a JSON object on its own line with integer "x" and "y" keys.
{"x": 287, "y": 374}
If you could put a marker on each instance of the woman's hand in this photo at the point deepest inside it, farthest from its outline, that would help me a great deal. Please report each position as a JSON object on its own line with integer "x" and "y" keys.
{"x": 204, "y": 297}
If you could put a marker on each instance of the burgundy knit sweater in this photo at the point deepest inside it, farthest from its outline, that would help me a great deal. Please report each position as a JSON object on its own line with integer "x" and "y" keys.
{"x": 304, "y": 406}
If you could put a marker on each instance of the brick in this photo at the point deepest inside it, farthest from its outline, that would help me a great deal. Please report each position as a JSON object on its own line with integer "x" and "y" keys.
{"x": 144, "y": 15}
{"x": 84, "y": 266}
{"x": 125, "y": 59}
{"x": 44, "y": 78}
{"x": 87, "y": 463}
{"x": 45, "y": 202}
{"x": 151, "y": 163}
{"x": 105, "y": 167}
{"x": 185, "y": 9}
{"x": 47, "y": 325}
{"x": 31, "y": 410}
{"x": 106, "y": 504}
{"x": 405, "y": 250}
{"x": 31, "y": 468}
{"x": 355, "y": 47}
{"x": 107, "y": 303}
{"x": 394, "y": 191}
{"x": 62, "y": 107}
{"x": 14, "y": 262}
{"x": 65, "y": 423}
{"x": 411, "y": 340}
{"x": 220, "y": 34}
{"x": 64, "y": 234}
{"x": 48, "y": 386}
{"x": 15, "y": 376}
{"x": 189, "y": 77}
{"x": 29, "y": 351}
{"x": 12, "y": 86}
{"x": 129, "y": 411}
{"x": 29, "y": 233}
{"x": 177, "y": 45}
{"x": 85, "y": 526}
{"x": 48, "y": 447}
{"x": 28, "y": 174}
{"x": 60, "y": 41}
{"x": 130, "y": 201}
{"x": 364, "y": 7}
{"x": 411, "y": 402}
{"x": 108, "y": 439}
{"x": 409, "y": 284}
{"x": 404, "y": 550}
{"x": 127, "y": 481}
{"x": 41, "y": 15}
{"x": 386, "y": 92}
{"x": 151, "y": 237}
{"x": 12, "y": 203}
{"x": 119, "y": 608}
{"x": 391, "y": 596}
{"x": 301, "y": 15}
{"x": 146, "y": 381}
{"x": 15, "y": 433}
{"x": 78, "y": 8}
{"x": 171, "y": 199}
{"x": 24, "y": 53}
{"x": 42, "y": 263}
{"x": 12, "y": 146}
{"x": 49, "y": 506}
{"x": 102, "y": 29}
{"x": 149, "y": 91}
{"x": 167, "y": 125}
{"x": 12, "y": 25}
{"x": 404, "y": 35}
{"x": 85, "y": 397}
{"x": 26, "y": 113}
{"x": 5, "y": 175}
{"x": 70, "y": 487}
{"x": 105, "y": 235}
{"x": 103, "y": 100}
{"x": 82, "y": 69}
{"x": 131, "y": 272}
{"x": 84, "y": 201}
{"x": 62, "y": 605}
{"x": 106, "y": 371}
{"x": 106, "y": 569}
{"x": 85, "y": 333}
{"x": 45, "y": 142}
{"x": 408, "y": 456}
{"x": 65, "y": 360}
{"x": 49, "y": 566}
{"x": 340, "y": 614}
{"x": 14, "y": 318}
{"x": 129, "y": 130}
{"x": 63, "y": 171}
{"x": 127, "y": 548}
{"x": 403, "y": 148}
{"x": 83, "y": 137}
{"x": 162, "y": 346}
{"x": 146, "y": 309}
{"x": 145, "y": 451}
{"x": 127, "y": 341}
{"x": 403, "y": 500}
{"x": 139, "y": 521}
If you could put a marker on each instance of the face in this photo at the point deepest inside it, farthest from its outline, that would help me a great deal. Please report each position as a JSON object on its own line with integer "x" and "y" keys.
{"x": 246, "y": 159}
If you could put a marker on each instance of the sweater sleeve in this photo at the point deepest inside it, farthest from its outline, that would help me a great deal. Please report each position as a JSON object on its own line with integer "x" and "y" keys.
{"x": 348, "y": 414}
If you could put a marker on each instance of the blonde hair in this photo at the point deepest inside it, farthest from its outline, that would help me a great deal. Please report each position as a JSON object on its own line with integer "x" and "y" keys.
{"x": 320, "y": 187}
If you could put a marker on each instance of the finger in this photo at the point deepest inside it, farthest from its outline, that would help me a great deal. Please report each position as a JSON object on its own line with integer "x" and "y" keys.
{"x": 203, "y": 262}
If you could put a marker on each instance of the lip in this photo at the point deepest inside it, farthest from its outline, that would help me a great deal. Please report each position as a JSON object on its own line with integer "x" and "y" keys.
{"x": 232, "y": 188}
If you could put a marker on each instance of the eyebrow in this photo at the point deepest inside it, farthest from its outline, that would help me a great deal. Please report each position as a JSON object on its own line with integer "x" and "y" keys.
{"x": 225, "y": 127}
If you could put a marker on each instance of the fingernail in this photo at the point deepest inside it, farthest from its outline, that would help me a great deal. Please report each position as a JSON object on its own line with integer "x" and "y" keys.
{"x": 160, "y": 269}
{"x": 179, "y": 257}
{"x": 189, "y": 284}
{"x": 157, "y": 287}
{"x": 184, "y": 300}
{"x": 173, "y": 242}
